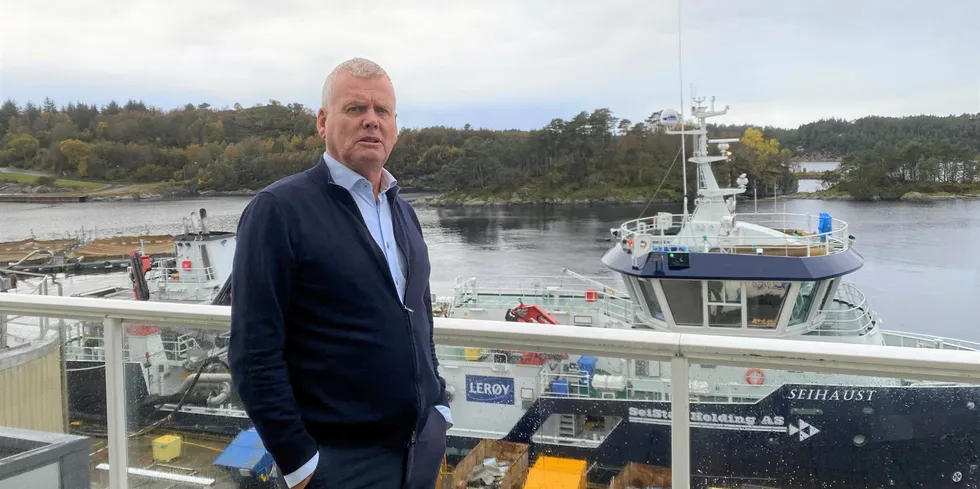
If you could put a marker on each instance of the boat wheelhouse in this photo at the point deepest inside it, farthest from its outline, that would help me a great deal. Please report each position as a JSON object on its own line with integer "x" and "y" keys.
{"x": 721, "y": 272}
{"x": 714, "y": 271}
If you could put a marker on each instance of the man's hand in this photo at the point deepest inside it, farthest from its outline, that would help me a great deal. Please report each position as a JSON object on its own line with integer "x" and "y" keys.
{"x": 303, "y": 482}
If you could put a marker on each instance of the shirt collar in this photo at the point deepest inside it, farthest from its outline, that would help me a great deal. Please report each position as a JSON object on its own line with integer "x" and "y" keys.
{"x": 347, "y": 178}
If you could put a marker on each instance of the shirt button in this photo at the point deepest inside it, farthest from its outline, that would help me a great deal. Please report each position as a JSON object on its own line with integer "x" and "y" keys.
{"x": 388, "y": 244}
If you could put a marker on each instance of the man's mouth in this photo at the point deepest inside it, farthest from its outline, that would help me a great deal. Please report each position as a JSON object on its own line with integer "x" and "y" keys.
{"x": 370, "y": 139}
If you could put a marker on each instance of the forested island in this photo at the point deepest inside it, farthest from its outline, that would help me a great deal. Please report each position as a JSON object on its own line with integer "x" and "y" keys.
{"x": 133, "y": 149}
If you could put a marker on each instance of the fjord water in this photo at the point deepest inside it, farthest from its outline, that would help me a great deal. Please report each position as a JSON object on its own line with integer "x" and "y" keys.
{"x": 922, "y": 269}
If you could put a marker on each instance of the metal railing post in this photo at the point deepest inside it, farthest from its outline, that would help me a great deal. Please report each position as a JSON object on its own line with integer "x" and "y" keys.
{"x": 680, "y": 423}
{"x": 115, "y": 388}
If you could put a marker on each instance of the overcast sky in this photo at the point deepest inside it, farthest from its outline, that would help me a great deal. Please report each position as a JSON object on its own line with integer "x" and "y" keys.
{"x": 507, "y": 63}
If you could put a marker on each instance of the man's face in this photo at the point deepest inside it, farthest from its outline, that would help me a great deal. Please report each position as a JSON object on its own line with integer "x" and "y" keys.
{"x": 359, "y": 127}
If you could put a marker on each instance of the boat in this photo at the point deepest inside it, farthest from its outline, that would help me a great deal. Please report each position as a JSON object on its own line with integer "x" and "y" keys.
{"x": 167, "y": 369}
{"x": 712, "y": 271}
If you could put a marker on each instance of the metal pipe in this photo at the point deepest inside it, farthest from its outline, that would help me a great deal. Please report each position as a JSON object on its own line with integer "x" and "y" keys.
{"x": 65, "y": 416}
{"x": 221, "y": 397}
{"x": 204, "y": 379}
{"x": 680, "y": 423}
{"x": 156, "y": 474}
{"x": 116, "y": 402}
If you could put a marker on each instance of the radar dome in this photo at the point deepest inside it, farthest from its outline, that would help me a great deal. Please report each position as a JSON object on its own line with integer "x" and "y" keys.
{"x": 669, "y": 117}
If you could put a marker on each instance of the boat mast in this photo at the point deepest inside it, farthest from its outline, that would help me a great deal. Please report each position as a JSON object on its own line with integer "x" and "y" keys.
{"x": 680, "y": 80}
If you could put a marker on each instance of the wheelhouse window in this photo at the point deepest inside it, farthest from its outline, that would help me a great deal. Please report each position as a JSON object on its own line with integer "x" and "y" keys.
{"x": 763, "y": 302}
{"x": 801, "y": 310}
{"x": 828, "y": 293}
{"x": 686, "y": 302}
{"x": 724, "y": 304}
{"x": 650, "y": 296}
{"x": 644, "y": 298}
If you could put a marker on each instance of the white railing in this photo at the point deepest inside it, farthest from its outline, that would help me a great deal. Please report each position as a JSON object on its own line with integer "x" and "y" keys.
{"x": 801, "y": 237}
{"x": 185, "y": 276}
{"x": 917, "y": 340}
{"x": 532, "y": 285}
{"x": 564, "y": 291}
{"x": 680, "y": 349}
{"x": 853, "y": 316}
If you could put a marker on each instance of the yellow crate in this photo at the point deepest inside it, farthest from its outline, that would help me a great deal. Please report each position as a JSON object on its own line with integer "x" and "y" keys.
{"x": 557, "y": 464}
{"x": 473, "y": 354}
{"x": 557, "y": 473}
{"x": 167, "y": 448}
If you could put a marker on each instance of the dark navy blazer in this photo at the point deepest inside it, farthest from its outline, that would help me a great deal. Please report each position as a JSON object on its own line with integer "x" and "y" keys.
{"x": 322, "y": 350}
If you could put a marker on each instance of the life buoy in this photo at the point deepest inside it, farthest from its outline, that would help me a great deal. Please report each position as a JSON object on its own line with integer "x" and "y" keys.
{"x": 755, "y": 376}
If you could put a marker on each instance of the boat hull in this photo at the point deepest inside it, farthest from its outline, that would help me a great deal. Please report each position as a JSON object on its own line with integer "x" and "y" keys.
{"x": 801, "y": 436}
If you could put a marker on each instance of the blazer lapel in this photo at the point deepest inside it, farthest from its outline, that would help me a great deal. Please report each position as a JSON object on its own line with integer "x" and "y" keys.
{"x": 401, "y": 234}
{"x": 321, "y": 174}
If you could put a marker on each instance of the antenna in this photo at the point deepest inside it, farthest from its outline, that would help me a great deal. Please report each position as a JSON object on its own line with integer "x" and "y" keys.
{"x": 680, "y": 80}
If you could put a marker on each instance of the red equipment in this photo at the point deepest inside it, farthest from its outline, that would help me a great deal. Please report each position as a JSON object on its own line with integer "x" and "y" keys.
{"x": 529, "y": 314}
{"x": 524, "y": 313}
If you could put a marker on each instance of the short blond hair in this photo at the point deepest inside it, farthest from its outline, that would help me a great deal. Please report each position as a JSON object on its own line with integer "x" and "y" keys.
{"x": 359, "y": 67}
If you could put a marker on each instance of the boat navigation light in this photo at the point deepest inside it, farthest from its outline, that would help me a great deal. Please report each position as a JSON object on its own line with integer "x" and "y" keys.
{"x": 742, "y": 181}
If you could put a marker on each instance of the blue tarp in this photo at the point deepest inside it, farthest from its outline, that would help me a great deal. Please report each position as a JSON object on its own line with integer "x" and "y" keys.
{"x": 247, "y": 453}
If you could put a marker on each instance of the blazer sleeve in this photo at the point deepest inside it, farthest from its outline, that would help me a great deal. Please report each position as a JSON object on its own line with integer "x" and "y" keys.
{"x": 264, "y": 267}
{"x": 443, "y": 397}
{"x": 427, "y": 300}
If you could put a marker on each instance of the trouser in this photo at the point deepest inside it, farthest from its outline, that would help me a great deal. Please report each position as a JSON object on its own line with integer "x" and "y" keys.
{"x": 416, "y": 467}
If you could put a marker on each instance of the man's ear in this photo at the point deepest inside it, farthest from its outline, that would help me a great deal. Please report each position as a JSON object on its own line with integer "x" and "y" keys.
{"x": 321, "y": 122}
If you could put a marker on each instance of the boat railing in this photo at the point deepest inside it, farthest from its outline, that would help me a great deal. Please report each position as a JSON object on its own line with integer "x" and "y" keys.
{"x": 46, "y": 286}
{"x": 680, "y": 349}
{"x": 659, "y": 388}
{"x": 917, "y": 340}
{"x": 582, "y": 293}
{"x": 80, "y": 353}
{"x": 198, "y": 275}
{"x": 582, "y": 385}
{"x": 82, "y": 346}
{"x": 853, "y": 317}
{"x": 532, "y": 285}
{"x": 574, "y": 384}
{"x": 799, "y": 235}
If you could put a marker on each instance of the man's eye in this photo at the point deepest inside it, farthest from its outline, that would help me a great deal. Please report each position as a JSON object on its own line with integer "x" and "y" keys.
{"x": 355, "y": 108}
{"x": 381, "y": 110}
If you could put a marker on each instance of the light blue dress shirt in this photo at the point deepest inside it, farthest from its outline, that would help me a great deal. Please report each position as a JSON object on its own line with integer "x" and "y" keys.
{"x": 377, "y": 217}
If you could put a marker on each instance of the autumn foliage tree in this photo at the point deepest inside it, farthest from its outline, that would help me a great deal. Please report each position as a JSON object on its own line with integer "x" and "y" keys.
{"x": 593, "y": 153}
{"x": 78, "y": 153}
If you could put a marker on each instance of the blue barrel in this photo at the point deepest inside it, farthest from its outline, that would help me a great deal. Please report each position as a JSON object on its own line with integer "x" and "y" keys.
{"x": 826, "y": 225}
{"x": 586, "y": 363}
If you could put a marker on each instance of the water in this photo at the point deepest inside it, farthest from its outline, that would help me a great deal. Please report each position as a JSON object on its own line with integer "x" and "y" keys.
{"x": 922, "y": 270}
{"x": 813, "y": 185}
{"x": 816, "y": 166}
{"x": 810, "y": 185}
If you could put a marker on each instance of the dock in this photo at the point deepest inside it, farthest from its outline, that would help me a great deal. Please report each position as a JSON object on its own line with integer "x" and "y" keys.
{"x": 42, "y": 198}
{"x": 12, "y": 251}
{"x": 72, "y": 255}
{"x": 119, "y": 247}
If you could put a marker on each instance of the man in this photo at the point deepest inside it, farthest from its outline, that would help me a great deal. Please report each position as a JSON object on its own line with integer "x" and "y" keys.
{"x": 331, "y": 333}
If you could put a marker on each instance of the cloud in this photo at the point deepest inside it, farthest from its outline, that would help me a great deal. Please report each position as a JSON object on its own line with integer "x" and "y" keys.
{"x": 774, "y": 61}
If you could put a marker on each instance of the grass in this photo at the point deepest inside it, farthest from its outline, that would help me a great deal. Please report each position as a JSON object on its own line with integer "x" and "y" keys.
{"x": 100, "y": 189}
{"x": 136, "y": 189}
{"x": 544, "y": 193}
{"x": 809, "y": 175}
{"x": 78, "y": 185}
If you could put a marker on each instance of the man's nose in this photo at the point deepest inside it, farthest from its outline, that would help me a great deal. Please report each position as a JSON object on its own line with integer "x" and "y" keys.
{"x": 370, "y": 120}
